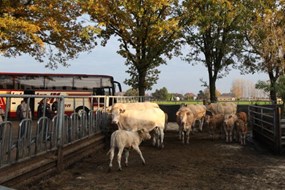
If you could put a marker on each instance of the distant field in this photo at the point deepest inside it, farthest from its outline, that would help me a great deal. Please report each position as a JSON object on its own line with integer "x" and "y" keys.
{"x": 200, "y": 102}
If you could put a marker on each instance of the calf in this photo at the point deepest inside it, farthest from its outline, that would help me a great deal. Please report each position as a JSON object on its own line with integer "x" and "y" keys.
{"x": 229, "y": 124}
{"x": 243, "y": 116}
{"x": 185, "y": 119}
{"x": 199, "y": 112}
{"x": 150, "y": 119}
{"x": 241, "y": 130}
{"x": 123, "y": 140}
{"x": 214, "y": 122}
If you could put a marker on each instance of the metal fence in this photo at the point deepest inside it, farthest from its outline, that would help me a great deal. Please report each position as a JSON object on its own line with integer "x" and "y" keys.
{"x": 20, "y": 140}
{"x": 266, "y": 128}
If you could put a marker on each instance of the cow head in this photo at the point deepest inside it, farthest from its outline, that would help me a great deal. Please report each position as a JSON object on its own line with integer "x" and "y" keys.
{"x": 116, "y": 114}
{"x": 144, "y": 134}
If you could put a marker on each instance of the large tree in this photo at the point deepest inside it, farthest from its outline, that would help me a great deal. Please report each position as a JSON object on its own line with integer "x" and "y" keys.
{"x": 215, "y": 39}
{"x": 267, "y": 39}
{"x": 51, "y": 31}
{"x": 147, "y": 31}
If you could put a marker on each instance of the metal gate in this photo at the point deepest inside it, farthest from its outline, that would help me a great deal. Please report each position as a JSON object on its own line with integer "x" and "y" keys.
{"x": 266, "y": 126}
{"x": 33, "y": 148}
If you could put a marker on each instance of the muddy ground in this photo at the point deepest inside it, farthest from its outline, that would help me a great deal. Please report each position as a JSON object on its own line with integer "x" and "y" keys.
{"x": 203, "y": 164}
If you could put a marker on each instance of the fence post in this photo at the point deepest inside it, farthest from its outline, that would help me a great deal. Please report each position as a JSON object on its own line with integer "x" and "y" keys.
{"x": 60, "y": 166}
{"x": 277, "y": 115}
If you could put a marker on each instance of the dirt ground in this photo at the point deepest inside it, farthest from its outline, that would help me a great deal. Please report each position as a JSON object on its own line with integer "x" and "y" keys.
{"x": 203, "y": 164}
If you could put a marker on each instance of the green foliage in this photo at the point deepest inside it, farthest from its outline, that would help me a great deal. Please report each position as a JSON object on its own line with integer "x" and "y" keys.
{"x": 161, "y": 94}
{"x": 263, "y": 85}
{"x": 188, "y": 96}
{"x": 148, "y": 32}
{"x": 216, "y": 38}
{"x": 201, "y": 95}
{"x": 280, "y": 88}
{"x": 131, "y": 92}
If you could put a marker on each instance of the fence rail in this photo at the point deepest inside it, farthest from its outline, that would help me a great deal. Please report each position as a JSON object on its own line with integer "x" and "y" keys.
{"x": 49, "y": 142}
{"x": 266, "y": 128}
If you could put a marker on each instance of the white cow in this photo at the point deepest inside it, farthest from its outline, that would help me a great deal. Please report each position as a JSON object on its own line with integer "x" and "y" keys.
{"x": 135, "y": 105}
{"x": 225, "y": 108}
{"x": 133, "y": 120}
{"x": 185, "y": 119}
{"x": 199, "y": 112}
{"x": 124, "y": 140}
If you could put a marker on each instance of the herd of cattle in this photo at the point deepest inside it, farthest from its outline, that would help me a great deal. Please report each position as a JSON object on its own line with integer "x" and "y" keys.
{"x": 145, "y": 120}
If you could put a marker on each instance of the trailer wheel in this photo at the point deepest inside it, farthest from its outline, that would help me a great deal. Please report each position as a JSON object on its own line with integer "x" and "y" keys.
{"x": 80, "y": 110}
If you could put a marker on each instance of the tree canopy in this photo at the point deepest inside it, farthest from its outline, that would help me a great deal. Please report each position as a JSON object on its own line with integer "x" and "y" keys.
{"x": 51, "y": 31}
{"x": 147, "y": 30}
{"x": 215, "y": 39}
{"x": 267, "y": 39}
{"x": 161, "y": 94}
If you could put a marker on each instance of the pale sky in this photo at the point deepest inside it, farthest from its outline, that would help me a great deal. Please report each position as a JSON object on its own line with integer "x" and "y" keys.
{"x": 177, "y": 76}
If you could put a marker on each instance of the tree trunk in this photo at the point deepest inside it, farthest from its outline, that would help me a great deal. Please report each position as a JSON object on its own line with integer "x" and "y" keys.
{"x": 213, "y": 97}
{"x": 212, "y": 86}
{"x": 273, "y": 96}
{"x": 141, "y": 83}
{"x": 273, "y": 79}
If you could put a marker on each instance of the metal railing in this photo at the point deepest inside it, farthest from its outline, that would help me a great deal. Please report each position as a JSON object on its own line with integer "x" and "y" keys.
{"x": 265, "y": 123}
{"x": 75, "y": 118}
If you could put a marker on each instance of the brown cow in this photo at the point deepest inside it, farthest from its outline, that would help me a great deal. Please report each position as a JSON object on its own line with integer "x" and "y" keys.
{"x": 241, "y": 127}
{"x": 185, "y": 119}
{"x": 241, "y": 130}
{"x": 199, "y": 112}
{"x": 243, "y": 116}
{"x": 229, "y": 124}
{"x": 214, "y": 122}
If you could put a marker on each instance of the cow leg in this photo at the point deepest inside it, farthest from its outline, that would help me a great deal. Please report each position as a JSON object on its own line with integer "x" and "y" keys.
{"x": 182, "y": 136}
{"x": 119, "y": 158}
{"x": 235, "y": 133}
{"x": 154, "y": 140}
{"x": 136, "y": 148}
{"x": 179, "y": 133}
{"x": 212, "y": 132}
{"x": 161, "y": 138}
{"x": 226, "y": 133}
{"x": 201, "y": 122}
{"x": 155, "y": 137}
{"x": 243, "y": 139}
{"x": 111, "y": 151}
{"x": 158, "y": 135}
{"x": 227, "y": 136}
{"x": 188, "y": 136}
{"x": 126, "y": 157}
{"x": 239, "y": 137}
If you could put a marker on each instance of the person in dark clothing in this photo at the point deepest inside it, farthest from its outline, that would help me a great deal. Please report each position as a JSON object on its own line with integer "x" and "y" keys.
{"x": 54, "y": 108}
{"x": 44, "y": 109}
